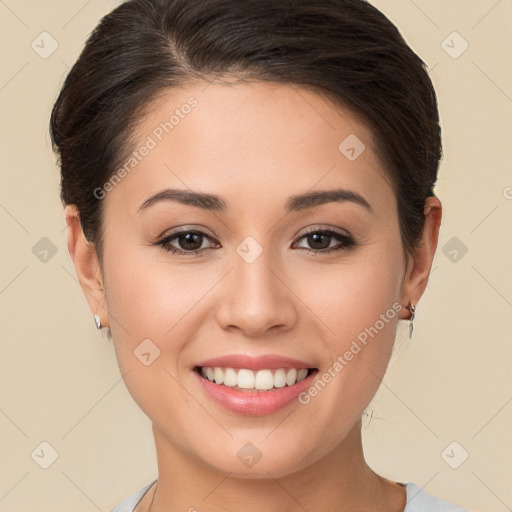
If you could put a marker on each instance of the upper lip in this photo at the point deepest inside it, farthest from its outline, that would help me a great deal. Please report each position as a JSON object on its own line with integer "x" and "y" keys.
{"x": 267, "y": 361}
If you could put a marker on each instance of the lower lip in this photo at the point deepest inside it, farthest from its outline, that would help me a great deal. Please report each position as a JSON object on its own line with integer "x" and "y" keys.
{"x": 255, "y": 403}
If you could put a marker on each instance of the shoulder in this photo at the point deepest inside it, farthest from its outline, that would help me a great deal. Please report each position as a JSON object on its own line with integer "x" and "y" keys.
{"x": 419, "y": 501}
{"x": 129, "y": 503}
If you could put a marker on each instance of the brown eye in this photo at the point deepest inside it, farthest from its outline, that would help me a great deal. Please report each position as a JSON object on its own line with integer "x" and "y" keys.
{"x": 186, "y": 242}
{"x": 320, "y": 241}
{"x": 190, "y": 241}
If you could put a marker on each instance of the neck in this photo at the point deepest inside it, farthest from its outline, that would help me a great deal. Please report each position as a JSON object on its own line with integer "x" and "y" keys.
{"x": 339, "y": 481}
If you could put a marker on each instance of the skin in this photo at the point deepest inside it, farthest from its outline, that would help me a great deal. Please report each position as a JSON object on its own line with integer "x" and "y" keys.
{"x": 254, "y": 144}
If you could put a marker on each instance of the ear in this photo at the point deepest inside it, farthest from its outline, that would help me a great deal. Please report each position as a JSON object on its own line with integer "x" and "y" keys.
{"x": 420, "y": 263}
{"x": 85, "y": 259}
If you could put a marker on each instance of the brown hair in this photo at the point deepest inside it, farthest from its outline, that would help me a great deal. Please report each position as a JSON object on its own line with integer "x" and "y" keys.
{"x": 345, "y": 50}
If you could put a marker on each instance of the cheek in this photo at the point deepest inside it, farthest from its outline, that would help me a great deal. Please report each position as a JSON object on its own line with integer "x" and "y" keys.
{"x": 350, "y": 297}
{"x": 153, "y": 308}
{"x": 358, "y": 305}
{"x": 148, "y": 302}
{"x": 145, "y": 300}
{"x": 150, "y": 298}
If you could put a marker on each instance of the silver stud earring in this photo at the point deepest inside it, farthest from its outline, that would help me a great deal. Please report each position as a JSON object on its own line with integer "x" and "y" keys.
{"x": 412, "y": 308}
{"x": 97, "y": 321}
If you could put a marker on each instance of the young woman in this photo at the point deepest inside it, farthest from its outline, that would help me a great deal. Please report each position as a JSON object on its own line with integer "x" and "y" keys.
{"x": 248, "y": 189}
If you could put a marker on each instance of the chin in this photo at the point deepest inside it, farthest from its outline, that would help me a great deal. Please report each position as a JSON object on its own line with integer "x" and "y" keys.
{"x": 265, "y": 468}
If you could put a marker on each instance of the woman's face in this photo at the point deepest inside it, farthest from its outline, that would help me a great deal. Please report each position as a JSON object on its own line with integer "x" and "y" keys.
{"x": 257, "y": 288}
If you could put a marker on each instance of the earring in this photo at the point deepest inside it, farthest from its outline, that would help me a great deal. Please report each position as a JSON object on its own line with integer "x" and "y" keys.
{"x": 412, "y": 308}
{"x": 97, "y": 321}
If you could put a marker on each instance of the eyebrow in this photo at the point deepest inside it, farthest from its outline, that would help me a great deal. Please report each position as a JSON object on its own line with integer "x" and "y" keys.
{"x": 294, "y": 203}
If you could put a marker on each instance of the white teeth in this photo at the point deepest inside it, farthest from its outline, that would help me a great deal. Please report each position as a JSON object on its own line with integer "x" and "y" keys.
{"x": 245, "y": 379}
{"x": 301, "y": 374}
{"x": 230, "y": 377}
{"x": 291, "y": 377}
{"x": 280, "y": 378}
{"x": 262, "y": 380}
{"x": 218, "y": 375}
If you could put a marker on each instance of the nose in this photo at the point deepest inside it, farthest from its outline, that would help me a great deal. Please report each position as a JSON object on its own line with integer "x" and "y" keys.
{"x": 257, "y": 298}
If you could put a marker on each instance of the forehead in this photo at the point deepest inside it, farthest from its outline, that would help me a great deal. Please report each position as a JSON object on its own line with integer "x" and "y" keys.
{"x": 256, "y": 140}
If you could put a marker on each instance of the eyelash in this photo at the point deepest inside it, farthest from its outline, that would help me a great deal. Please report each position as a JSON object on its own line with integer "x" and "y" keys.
{"x": 346, "y": 241}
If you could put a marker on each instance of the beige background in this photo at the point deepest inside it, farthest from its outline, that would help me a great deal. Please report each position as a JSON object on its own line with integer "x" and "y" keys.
{"x": 60, "y": 381}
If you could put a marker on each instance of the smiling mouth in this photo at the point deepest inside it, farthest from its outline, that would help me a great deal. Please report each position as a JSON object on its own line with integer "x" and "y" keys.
{"x": 244, "y": 379}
